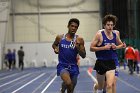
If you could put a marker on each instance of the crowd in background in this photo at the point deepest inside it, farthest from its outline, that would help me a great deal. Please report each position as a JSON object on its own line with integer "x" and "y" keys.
{"x": 10, "y": 58}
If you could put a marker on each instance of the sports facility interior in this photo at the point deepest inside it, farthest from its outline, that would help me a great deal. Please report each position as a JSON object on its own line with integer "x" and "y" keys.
{"x": 34, "y": 24}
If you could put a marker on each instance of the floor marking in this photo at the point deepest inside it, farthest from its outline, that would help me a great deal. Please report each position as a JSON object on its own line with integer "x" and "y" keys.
{"x": 14, "y": 80}
{"x": 95, "y": 80}
{"x": 92, "y": 77}
{"x": 15, "y": 85}
{"x": 8, "y": 76}
{"x": 28, "y": 83}
{"x": 44, "y": 82}
{"x": 49, "y": 84}
{"x": 128, "y": 84}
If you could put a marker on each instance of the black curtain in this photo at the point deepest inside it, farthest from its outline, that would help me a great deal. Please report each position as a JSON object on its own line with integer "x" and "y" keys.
{"x": 138, "y": 23}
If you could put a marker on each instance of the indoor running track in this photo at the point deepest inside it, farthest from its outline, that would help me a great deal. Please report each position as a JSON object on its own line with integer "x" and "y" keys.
{"x": 44, "y": 80}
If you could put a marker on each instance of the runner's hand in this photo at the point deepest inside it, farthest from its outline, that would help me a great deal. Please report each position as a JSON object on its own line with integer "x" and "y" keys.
{"x": 107, "y": 47}
{"x": 113, "y": 46}
{"x": 77, "y": 44}
{"x": 56, "y": 50}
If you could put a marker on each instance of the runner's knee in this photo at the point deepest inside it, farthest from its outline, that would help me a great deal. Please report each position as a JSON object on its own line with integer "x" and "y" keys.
{"x": 68, "y": 82}
{"x": 109, "y": 85}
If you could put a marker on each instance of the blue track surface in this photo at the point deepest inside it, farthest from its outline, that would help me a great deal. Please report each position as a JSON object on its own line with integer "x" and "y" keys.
{"x": 44, "y": 80}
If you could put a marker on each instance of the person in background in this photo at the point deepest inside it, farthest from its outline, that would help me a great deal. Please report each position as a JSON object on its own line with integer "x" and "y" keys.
{"x": 68, "y": 46}
{"x": 104, "y": 44}
{"x": 137, "y": 60}
{"x": 6, "y": 61}
{"x": 130, "y": 57}
{"x": 21, "y": 57}
{"x": 9, "y": 58}
{"x": 138, "y": 65}
{"x": 14, "y": 58}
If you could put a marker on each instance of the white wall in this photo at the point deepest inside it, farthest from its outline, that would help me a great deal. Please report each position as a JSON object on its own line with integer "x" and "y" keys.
{"x": 40, "y": 51}
{"x": 53, "y": 19}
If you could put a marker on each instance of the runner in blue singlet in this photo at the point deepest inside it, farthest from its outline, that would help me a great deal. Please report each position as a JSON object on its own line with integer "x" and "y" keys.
{"x": 104, "y": 45}
{"x": 68, "y": 46}
{"x": 116, "y": 71}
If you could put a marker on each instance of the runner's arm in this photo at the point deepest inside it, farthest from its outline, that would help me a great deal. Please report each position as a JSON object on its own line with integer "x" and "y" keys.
{"x": 80, "y": 47}
{"x": 55, "y": 44}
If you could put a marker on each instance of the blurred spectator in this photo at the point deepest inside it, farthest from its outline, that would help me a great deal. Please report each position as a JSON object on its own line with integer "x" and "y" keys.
{"x": 9, "y": 58}
{"x": 137, "y": 60}
{"x": 130, "y": 57}
{"x": 21, "y": 58}
{"x": 6, "y": 61}
{"x": 14, "y": 58}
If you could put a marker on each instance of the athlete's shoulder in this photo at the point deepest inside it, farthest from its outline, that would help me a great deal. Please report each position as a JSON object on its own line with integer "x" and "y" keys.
{"x": 116, "y": 31}
{"x": 79, "y": 37}
{"x": 99, "y": 33}
{"x": 101, "y": 30}
{"x": 59, "y": 37}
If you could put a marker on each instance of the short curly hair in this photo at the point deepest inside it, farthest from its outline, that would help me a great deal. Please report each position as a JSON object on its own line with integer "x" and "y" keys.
{"x": 75, "y": 20}
{"x": 110, "y": 17}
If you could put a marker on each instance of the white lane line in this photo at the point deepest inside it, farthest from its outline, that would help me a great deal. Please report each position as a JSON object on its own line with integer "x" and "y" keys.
{"x": 128, "y": 84}
{"x": 8, "y": 76}
{"x": 16, "y": 84}
{"x": 14, "y": 80}
{"x": 44, "y": 82}
{"x": 49, "y": 84}
{"x": 92, "y": 77}
{"x": 28, "y": 83}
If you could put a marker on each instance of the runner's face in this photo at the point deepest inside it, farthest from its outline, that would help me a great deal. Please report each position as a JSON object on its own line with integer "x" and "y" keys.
{"x": 73, "y": 28}
{"x": 109, "y": 26}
